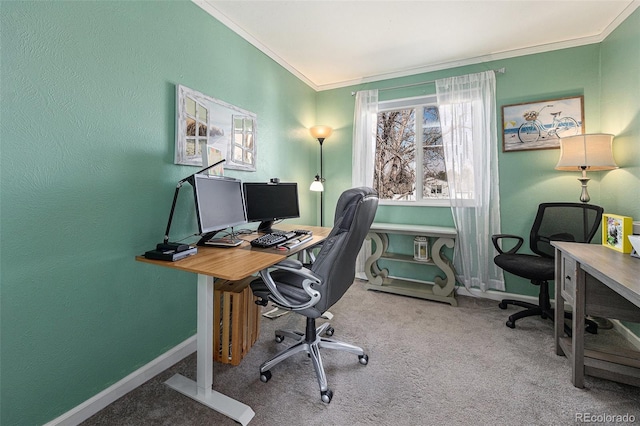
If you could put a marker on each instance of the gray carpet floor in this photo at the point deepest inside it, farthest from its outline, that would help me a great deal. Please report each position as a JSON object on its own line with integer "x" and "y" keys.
{"x": 429, "y": 364}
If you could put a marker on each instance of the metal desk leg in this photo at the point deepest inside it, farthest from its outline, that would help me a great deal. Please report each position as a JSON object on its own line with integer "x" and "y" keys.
{"x": 202, "y": 390}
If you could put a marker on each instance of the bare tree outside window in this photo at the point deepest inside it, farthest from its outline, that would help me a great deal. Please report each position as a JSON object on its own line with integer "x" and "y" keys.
{"x": 403, "y": 171}
{"x": 394, "y": 173}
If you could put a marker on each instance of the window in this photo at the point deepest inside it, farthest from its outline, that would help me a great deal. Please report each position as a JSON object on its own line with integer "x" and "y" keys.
{"x": 409, "y": 159}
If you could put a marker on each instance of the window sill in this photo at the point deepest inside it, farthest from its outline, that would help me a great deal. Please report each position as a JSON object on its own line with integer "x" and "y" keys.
{"x": 421, "y": 203}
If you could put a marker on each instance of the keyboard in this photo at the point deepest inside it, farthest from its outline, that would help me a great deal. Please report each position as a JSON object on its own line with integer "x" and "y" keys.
{"x": 272, "y": 239}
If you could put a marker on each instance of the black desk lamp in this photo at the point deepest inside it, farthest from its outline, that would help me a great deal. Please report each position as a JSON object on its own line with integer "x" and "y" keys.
{"x": 178, "y": 247}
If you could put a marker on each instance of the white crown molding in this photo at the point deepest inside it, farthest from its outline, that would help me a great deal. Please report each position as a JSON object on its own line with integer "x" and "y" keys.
{"x": 211, "y": 10}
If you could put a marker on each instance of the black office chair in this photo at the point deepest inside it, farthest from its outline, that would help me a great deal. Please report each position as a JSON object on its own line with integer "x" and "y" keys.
{"x": 576, "y": 222}
{"x": 311, "y": 291}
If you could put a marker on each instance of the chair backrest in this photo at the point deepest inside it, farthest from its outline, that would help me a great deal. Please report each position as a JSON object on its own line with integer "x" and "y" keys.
{"x": 335, "y": 263}
{"x": 576, "y": 222}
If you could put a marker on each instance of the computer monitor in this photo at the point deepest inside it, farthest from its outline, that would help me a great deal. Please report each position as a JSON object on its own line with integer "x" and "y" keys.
{"x": 219, "y": 204}
{"x": 269, "y": 202}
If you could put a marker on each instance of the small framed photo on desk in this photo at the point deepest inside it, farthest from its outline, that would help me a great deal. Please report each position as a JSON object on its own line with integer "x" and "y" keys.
{"x": 615, "y": 232}
{"x": 635, "y": 243}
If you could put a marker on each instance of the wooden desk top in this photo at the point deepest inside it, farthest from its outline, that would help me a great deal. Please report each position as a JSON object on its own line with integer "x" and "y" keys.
{"x": 618, "y": 271}
{"x": 236, "y": 263}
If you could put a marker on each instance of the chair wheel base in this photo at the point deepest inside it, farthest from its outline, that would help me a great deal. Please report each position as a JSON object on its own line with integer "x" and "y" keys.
{"x": 502, "y": 305}
{"x": 364, "y": 359}
{"x": 326, "y": 396}
{"x": 265, "y": 377}
{"x": 510, "y": 324}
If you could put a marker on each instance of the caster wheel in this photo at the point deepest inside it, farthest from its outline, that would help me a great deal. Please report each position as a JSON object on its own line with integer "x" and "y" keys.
{"x": 511, "y": 324}
{"x": 279, "y": 338}
{"x": 502, "y": 305}
{"x": 591, "y": 328}
{"x": 364, "y": 359}
{"x": 329, "y": 331}
{"x": 326, "y": 396}
{"x": 265, "y": 377}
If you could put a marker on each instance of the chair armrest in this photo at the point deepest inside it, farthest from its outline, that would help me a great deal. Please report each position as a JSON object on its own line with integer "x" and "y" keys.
{"x": 496, "y": 239}
{"x": 289, "y": 263}
{"x": 296, "y": 267}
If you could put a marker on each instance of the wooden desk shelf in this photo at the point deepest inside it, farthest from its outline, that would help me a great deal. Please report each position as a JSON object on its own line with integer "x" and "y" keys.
{"x": 440, "y": 289}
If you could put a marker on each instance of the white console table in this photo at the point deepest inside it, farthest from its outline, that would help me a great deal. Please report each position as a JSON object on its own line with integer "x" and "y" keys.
{"x": 441, "y": 289}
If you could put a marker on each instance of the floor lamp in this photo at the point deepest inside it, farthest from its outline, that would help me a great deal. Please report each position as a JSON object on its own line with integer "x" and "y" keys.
{"x": 593, "y": 152}
{"x": 320, "y": 133}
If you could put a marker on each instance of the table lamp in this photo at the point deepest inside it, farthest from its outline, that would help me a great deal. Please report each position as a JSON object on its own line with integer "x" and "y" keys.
{"x": 591, "y": 152}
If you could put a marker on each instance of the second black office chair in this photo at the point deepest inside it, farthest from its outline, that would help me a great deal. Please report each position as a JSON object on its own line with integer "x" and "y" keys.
{"x": 311, "y": 291}
{"x": 577, "y": 222}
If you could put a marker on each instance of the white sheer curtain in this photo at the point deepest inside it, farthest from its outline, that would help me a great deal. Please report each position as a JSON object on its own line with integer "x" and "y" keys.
{"x": 365, "y": 123}
{"x": 467, "y": 109}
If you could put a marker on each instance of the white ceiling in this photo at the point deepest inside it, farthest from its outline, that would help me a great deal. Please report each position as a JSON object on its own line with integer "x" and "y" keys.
{"x": 337, "y": 43}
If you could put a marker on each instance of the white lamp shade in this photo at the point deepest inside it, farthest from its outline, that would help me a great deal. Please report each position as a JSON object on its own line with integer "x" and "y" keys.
{"x": 321, "y": 132}
{"x": 591, "y": 151}
{"x": 316, "y": 186}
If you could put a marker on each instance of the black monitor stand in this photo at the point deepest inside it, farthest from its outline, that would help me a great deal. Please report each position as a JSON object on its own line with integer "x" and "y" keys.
{"x": 266, "y": 226}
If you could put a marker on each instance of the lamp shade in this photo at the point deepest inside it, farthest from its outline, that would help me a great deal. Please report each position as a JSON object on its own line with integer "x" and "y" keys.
{"x": 321, "y": 132}
{"x": 317, "y": 185}
{"x": 591, "y": 152}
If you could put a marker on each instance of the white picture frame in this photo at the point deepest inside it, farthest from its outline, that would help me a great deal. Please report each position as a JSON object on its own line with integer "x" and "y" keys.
{"x": 203, "y": 122}
{"x": 539, "y": 125}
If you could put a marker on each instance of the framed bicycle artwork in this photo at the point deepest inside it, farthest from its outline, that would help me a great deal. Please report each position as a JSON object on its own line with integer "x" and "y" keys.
{"x": 541, "y": 124}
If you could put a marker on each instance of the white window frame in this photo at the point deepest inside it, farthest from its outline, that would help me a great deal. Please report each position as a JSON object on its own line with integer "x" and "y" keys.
{"x": 405, "y": 103}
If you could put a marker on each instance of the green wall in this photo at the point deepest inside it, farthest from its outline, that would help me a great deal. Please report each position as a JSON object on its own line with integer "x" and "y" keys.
{"x": 620, "y": 106}
{"x": 527, "y": 178}
{"x": 606, "y": 74}
{"x": 621, "y": 116}
{"x": 87, "y": 124}
{"x": 87, "y": 177}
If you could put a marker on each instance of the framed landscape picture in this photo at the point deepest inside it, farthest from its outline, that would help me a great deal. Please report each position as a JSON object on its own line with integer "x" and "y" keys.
{"x": 539, "y": 125}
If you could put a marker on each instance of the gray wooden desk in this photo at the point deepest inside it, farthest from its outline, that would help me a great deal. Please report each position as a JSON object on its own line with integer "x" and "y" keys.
{"x": 602, "y": 282}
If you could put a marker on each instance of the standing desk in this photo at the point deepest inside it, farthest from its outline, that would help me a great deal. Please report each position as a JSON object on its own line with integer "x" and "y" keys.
{"x": 234, "y": 263}
{"x": 602, "y": 282}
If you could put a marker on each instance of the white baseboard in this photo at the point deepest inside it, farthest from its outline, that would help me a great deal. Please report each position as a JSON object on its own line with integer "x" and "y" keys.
{"x": 494, "y": 294}
{"x": 626, "y": 333}
{"x": 91, "y": 406}
{"x": 499, "y": 295}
